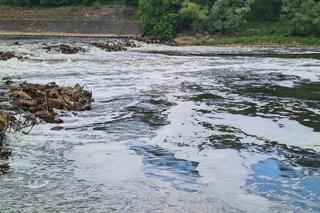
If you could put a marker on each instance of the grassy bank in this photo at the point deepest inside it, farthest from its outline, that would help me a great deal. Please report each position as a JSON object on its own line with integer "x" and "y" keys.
{"x": 262, "y": 34}
{"x": 260, "y": 41}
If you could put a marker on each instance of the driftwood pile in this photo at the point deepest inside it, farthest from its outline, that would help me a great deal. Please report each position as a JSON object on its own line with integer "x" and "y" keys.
{"x": 64, "y": 48}
{"x": 41, "y": 100}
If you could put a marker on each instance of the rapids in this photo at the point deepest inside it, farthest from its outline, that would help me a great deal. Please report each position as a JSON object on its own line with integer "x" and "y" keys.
{"x": 172, "y": 129}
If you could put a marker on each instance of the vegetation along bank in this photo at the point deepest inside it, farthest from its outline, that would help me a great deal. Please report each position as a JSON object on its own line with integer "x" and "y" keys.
{"x": 224, "y": 22}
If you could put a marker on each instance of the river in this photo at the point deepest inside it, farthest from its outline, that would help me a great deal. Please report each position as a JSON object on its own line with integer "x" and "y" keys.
{"x": 172, "y": 129}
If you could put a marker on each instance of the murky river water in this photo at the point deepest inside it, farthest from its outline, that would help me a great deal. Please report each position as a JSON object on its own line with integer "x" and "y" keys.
{"x": 172, "y": 129}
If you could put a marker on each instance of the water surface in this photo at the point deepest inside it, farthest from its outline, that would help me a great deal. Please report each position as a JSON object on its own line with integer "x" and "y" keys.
{"x": 172, "y": 129}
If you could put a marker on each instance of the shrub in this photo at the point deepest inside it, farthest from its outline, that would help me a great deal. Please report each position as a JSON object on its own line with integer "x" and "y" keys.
{"x": 227, "y": 15}
{"x": 192, "y": 17}
{"x": 303, "y": 15}
{"x": 57, "y": 2}
{"x": 265, "y": 10}
{"x": 19, "y": 3}
{"x": 159, "y": 17}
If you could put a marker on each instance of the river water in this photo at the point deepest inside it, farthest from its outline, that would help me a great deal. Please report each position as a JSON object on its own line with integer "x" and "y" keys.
{"x": 172, "y": 129}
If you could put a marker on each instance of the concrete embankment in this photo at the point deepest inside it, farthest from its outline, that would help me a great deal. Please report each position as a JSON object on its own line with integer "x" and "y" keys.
{"x": 107, "y": 21}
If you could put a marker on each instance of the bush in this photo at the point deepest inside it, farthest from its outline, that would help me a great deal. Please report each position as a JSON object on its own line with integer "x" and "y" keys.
{"x": 192, "y": 17}
{"x": 227, "y": 15}
{"x": 303, "y": 15}
{"x": 132, "y": 2}
{"x": 265, "y": 10}
{"x": 159, "y": 17}
{"x": 19, "y": 3}
{"x": 57, "y": 2}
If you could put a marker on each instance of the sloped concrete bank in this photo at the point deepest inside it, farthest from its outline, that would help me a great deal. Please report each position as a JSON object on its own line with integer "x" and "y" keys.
{"x": 108, "y": 21}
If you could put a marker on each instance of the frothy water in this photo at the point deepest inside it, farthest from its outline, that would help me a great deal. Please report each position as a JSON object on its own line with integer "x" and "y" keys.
{"x": 173, "y": 129}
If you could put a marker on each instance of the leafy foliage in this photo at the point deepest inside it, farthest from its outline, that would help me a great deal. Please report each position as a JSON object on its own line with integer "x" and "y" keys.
{"x": 265, "y": 10}
{"x": 304, "y": 16}
{"x": 159, "y": 17}
{"x": 192, "y": 16}
{"x": 166, "y": 18}
{"x": 228, "y": 15}
{"x": 19, "y": 3}
{"x": 56, "y": 2}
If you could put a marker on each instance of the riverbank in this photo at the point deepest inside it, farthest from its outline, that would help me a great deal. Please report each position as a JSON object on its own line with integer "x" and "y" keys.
{"x": 277, "y": 41}
{"x": 120, "y": 21}
{"x": 255, "y": 34}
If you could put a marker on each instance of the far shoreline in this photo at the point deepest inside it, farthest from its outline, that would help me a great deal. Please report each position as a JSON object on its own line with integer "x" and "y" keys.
{"x": 252, "y": 41}
{"x": 225, "y": 41}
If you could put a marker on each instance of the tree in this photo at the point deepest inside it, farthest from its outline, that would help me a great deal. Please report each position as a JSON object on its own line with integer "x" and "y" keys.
{"x": 159, "y": 17}
{"x": 265, "y": 10}
{"x": 227, "y": 15}
{"x": 192, "y": 16}
{"x": 19, "y": 3}
{"x": 304, "y": 16}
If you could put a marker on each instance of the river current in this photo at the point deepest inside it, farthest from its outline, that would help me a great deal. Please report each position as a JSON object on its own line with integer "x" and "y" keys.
{"x": 172, "y": 129}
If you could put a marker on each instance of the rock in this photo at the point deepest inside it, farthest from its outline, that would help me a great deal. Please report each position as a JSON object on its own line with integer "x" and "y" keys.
{"x": 41, "y": 100}
{"x": 109, "y": 47}
{"x": 76, "y": 91}
{"x": 4, "y": 119}
{"x": 20, "y": 94}
{"x": 29, "y": 103}
{"x": 149, "y": 40}
{"x": 7, "y": 80}
{"x": 57, "y": 128}
{"x": 55, "y": 103}
{"x": 129, "y": 43}
{"x": 5, "y": 153}
{"x": 4, "y": 167}
{"x": 65, "y": 49}
{"x": 50, "y": 117}
{"x": 6, "y": 55}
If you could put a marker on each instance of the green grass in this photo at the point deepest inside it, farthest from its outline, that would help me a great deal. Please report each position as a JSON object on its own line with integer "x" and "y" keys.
{"x": 262, "y": 34}
{"x": 261, "y": 41}
{"x": 281, "y": 27}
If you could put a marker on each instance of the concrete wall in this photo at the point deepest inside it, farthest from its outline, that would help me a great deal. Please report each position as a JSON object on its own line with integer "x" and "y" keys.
{"x": 109, "y": 21}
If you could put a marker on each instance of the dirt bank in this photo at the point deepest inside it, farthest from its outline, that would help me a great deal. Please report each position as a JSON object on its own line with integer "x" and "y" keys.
{"x": 108, "y": 21}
